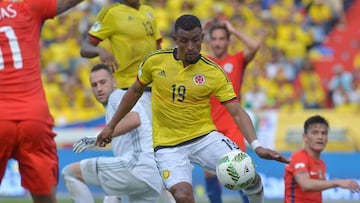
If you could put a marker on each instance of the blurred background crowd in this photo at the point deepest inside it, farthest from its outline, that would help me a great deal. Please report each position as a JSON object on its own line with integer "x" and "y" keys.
{"x": 285, "y": 74}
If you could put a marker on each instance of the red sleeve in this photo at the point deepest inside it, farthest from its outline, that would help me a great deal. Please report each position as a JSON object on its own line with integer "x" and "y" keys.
{"x": 299, "y": 163}
{"x": 45, "y": 9}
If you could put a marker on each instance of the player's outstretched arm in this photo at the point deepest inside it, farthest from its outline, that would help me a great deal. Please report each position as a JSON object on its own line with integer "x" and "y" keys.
{"x": 348, "y": 184}
{"x": 128, "y": 123}
{"x": 308, "y": 184}
{"x": 271, "y": 155}
{"x": 64, "y": 5}
{"x": 252, "y": 45}
{"x": 244, "y": 123}
{"x": 128, "y": 101}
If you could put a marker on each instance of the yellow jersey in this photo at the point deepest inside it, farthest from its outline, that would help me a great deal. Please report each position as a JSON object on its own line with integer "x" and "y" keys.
{"x": 132, "y": 34}
{"x": 180, "y": 96}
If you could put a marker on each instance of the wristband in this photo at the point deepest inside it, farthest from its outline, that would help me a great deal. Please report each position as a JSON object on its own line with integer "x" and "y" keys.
{"x": 255, "y": 144}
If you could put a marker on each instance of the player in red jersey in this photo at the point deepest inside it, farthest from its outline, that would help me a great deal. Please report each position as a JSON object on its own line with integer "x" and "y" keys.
{"x": 234, "y": 65}
{"x": 305, "y": 175}
{"x": 25, "y": 122}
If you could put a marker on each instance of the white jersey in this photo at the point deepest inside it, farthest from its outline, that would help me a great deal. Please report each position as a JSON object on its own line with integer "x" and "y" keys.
{"x": 133, "y": 150}
{"x": 135, "y": 142}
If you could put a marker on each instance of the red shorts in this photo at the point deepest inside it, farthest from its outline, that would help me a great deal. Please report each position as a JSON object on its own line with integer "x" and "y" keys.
{"x": 32, "y": 144}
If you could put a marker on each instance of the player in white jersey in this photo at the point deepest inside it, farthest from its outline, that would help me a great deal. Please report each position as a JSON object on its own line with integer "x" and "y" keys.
{"x": 133, "y": 171}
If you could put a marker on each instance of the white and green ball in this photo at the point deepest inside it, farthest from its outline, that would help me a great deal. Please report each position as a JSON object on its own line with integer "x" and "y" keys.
{"x": 236, "y": 170}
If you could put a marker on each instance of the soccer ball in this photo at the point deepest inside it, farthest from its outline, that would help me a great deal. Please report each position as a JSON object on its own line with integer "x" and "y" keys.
{"x": 236, "y": 170}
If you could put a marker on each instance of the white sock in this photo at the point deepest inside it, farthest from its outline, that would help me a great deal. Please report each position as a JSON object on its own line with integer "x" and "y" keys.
{"x": 111, "y": 199}
{"x": 255, "y": 191}
{"x": 79, "y": 192}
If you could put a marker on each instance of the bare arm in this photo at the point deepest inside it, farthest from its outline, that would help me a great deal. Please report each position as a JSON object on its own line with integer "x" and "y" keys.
{"x": 252, "y": 45}
{"x": 128, "y": 123}
{"x": 308, "y": 184}
{"x": 244, "y": 123}
{"x": 64, "y": 5}
{"x": 91, "y": 49}
{"x": 128, "y": 101}
{"x": 242, "y": 120}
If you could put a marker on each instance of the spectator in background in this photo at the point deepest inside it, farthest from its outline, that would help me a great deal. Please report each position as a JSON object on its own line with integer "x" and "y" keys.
{"x": 338, "y": 11}
{"x": 255, "y": 99}
{"x": 339, "y": 78}
{"x": 309, "y": 87}
{"x": 25, "y": 122}
{"x": 320, "y": 19}
{"x": 132, "y": 36}
{"x": 305, "y": 175}
{"x": 340, "y": 97}
{"x": 283, "y": 93}
{"x": 279, "y": 63}
{"x": 234, "y": 66}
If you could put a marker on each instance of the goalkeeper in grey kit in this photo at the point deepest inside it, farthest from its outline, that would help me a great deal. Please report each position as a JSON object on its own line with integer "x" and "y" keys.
{"x": 133, "y": 171}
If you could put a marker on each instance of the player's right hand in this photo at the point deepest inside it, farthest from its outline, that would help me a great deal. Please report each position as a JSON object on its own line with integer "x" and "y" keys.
{"x": 84, "y": 143}
{"x": 104, "y": 137}
{"x": 271, "y": 155}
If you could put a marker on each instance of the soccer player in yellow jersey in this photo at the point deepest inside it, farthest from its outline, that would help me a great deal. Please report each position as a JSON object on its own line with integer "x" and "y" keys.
{"x": 132, "y": 32}
{"x": 183, "y": 132}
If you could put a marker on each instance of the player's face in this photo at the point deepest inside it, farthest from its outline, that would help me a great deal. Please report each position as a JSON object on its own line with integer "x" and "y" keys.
{"x": 219, "y": 43}
{"x": 102, "y": 84}
{"x": 189, "y": 44}
{"x": 316, "y": 137}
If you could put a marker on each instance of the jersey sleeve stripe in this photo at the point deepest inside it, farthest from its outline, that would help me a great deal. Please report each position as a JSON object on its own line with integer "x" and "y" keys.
{"x": 93, "y": 38}
{"x": 235, "y": 99}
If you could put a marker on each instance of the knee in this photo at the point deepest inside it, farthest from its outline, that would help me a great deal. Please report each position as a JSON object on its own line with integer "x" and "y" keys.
{"x": 71, "y": 171}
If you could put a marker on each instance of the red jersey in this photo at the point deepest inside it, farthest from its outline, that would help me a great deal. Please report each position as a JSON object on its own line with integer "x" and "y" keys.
{"x": 234, "y": 66}
{"x": 22, "y": 95}
{"x": 301, "y": 161}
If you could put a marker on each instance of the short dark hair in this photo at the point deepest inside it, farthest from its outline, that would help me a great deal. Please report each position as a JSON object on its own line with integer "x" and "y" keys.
{"x": 313, "y": 120}
{"x": 102, "y": 66}
{"x": 187, "y": 22}
{"x": 219, "y": 27}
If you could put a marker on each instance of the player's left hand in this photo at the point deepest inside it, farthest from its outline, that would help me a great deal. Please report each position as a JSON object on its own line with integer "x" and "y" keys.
{"x": 271, "y": 155}
{"x": 84, "y": 143}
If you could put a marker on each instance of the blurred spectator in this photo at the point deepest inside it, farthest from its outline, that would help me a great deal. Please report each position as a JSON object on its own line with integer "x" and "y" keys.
{"x": 340, "y": 78}
{"x": 283, "y": 93}
{"x": 309, "y": 88}
{"x": 338, "y": 12}
{"x": 354, "y": 94}
{"x": 320, "y": 19}
{"x": 340, "y": 98}
{"x": 255, "y": 99}
{"x": 279, "y": 63}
